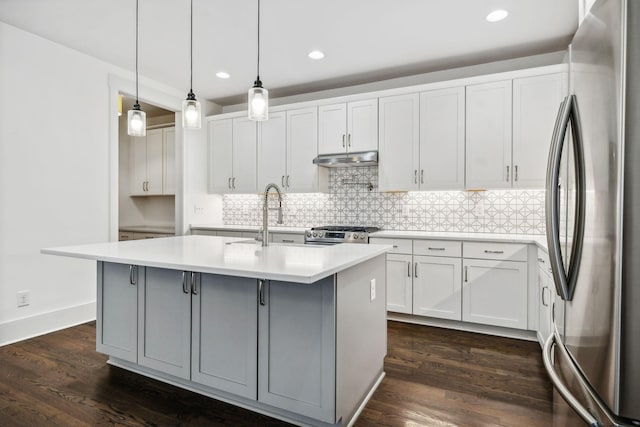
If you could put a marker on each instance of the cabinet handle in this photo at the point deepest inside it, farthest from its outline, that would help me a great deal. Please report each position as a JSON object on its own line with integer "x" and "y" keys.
{"x": 349, "y": 140}
{"x": 288, "y": 176}
{"x": 282, "y": 180}
{"x": 194, "y": 283}
{"x": 343, "y": 145}
{"x": 261, "y": 291}
{"x": 507, "y": 173}
{"x": 287, "y": 241}
{"x": 421, "y": 176}
{"x": 543, "y": 301}
{"x": 233, "y": 182}
{"x": 541, "y": 260}
{"x": 486, "y": 251}
{"x": 415, "y": 269}
{"x": 132, "y": 276}
{"x": 395, "y": 246}
{"x": 143, "y": 186}
{"x": 229, "y": 182}
{"x": 408, "y": 268}
{"x": 466, "y": 273}
{"x": 435, "y": 249}
{"x": 515, "y": 173}
{"x": 184, "y": 282}
{"x": 415, "y": 176}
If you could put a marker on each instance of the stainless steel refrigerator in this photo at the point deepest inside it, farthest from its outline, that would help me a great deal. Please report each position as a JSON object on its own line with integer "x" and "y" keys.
{"x": 593, "y": 224}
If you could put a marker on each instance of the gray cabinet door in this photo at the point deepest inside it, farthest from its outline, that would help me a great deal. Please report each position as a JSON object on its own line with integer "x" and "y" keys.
{"x": 225, "y": 334}
{"x": 116, "y": 320}
{"x": 164, "y": 317}
{"x": 296, "y": 348}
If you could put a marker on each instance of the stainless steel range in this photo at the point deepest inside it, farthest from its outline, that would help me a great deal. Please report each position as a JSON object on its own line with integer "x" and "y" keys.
{"x": 334, "y": 234}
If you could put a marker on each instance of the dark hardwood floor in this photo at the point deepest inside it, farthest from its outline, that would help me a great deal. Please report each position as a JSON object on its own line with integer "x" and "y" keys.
{"x": 435, "y": 377}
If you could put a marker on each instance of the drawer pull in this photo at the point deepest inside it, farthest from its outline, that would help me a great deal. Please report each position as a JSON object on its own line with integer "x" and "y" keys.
{"x": 287, "y": 241}
{"x": 486, "y": 251}
{"x": 395, "y": 246}
{"x": 435, "y": 249}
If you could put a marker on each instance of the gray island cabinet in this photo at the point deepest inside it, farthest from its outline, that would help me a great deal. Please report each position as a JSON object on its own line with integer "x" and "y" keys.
{"x": 309, "y": 352}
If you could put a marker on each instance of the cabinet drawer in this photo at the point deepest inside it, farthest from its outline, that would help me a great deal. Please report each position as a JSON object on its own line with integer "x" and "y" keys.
{"x": 437, "y": 248}
{"x": 543, "y": 261}
{"x": 400, "y": 246}
{"x": 490, "y": 250}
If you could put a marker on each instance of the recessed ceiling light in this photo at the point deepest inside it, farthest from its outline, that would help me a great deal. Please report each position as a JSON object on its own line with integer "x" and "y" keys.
{"x": 316, "y": 54}
{"x": 222, "y": 75}
{"x": 497, "y": 15}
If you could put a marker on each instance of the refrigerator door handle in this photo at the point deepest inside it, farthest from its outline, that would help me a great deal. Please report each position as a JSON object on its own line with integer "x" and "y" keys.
{"x": 565, "y": 282}
{"x": 552, "y": 205}
{"x": 581, "y": 192}
{"x": 549, "y": 345}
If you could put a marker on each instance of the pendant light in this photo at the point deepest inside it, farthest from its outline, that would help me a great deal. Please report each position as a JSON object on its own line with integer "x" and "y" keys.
{"x": 136, "y": 118}
{"x": 258, "y": 96}
{"x": 191, "y": 110}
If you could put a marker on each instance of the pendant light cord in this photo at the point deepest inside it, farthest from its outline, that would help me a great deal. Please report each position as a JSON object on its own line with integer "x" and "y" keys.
{"x": 191, "y": 54}
{"x": 136, "y": 51}
{"x": 258, "y": 73}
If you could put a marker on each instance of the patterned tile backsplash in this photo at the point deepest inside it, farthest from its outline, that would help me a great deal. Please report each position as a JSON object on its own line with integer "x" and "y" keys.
{"x": 349, "y": 202}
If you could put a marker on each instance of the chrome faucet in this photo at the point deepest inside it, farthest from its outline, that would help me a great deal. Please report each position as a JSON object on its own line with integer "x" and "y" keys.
{"x": 265, "y": 212}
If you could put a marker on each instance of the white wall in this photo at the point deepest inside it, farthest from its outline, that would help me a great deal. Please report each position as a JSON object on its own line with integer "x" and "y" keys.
{"x": 58, "y": 176}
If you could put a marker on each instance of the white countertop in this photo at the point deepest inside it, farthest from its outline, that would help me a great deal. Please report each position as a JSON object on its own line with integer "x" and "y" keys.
{"x": 219, "y": 255}
{"x": 536, "y": 239}
{"x": 148, "y": 229}
{"x": 273, "y": 228}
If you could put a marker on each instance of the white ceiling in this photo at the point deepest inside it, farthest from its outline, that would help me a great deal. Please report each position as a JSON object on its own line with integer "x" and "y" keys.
{"x": 364, "y": 40}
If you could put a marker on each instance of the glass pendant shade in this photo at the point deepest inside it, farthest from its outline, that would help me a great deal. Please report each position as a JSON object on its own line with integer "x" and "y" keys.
{"x": 191, "y": 114}
{"x": 136, "y": 122}
{"x": 258, "y": 103}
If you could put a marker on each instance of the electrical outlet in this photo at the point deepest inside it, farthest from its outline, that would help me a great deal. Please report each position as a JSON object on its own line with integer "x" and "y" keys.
{"x": 198, "y": 210}
{"x": 373, "y": 289}
{"x": 22, "y": 298}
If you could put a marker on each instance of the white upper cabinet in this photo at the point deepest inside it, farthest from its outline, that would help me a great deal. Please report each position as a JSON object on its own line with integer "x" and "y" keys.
{"x": 153, "y": 160}
{"x": 350, "y": 127}
{"x": 442, "y": 137}
{"x": 535, "y": 105}
{"x": 272, "y": 150}
{"x": 422, "y": 141}
{"x": 488, "y": 135}
{"x": 302, "y": 148}
{"x": 288, "y": 144}
{"x": 399, "y": 143}
{"x": 244, "y": 156}
{"x": 232, "y": 156}
{"x": 219, "y": 134}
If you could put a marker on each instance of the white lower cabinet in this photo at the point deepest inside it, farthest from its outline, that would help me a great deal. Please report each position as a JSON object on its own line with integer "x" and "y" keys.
{"x": 437, "y": 287}
{"x": 424, "y": 285}
{"x": 495, "y": 292}
{"x": 399, "y": 283}
{"x": 225, "y": 333}
{"x": 297, "y": 349}
{"x": 546, "y": 292}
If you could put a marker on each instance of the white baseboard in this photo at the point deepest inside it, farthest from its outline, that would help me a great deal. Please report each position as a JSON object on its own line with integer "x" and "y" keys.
{"x": 44, "y": 323}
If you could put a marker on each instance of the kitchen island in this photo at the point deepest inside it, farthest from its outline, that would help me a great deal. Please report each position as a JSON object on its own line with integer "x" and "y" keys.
{"x": 292, "y": 331}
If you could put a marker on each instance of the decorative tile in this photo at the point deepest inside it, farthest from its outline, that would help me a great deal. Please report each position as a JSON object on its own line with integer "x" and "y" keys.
{"x": 350, "y": 203}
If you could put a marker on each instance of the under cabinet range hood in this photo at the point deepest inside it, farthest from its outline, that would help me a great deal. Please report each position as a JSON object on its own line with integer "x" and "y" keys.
{"x": 364, "y": 158}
